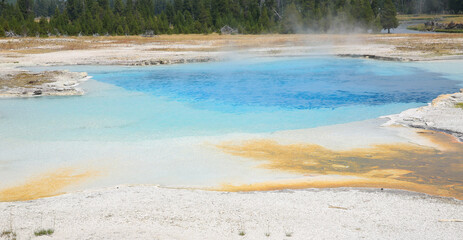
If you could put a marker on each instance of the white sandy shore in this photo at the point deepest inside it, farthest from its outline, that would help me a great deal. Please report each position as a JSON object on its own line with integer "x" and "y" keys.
{"x": 149, "y": 212}
{"x": 441, "y": 115}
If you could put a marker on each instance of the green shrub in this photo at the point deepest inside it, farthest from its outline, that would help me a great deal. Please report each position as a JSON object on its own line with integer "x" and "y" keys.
{"x": 42, "y": 232}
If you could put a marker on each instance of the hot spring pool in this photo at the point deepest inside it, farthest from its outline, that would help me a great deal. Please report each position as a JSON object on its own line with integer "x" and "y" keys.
{"x": 155, "y": 125}
{"x": 264, "y": 95}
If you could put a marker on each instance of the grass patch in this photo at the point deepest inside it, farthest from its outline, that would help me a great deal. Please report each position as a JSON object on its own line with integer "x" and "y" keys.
{"x": 419, "y": 27}
{"x": 449, "y": 30}
{"x": 453, "y": 18}
{"x": 43, "y": 232}
{"x": 36, "y": 51}
{"x": 432, "y": 44}
{"x": 423, "y": 28}
{"x": 180, "y": 49}
{"x": 9, "y": 234}
{"x": 459, "y": 105}
{"x": 241, "y": 233}
{"x": 444, "y": 17}
{"x": 28, "y": 80}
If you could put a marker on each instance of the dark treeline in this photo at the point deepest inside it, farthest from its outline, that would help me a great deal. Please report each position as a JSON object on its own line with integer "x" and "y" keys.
{"x": 132, "y": 17}
{"x": 429, "y": 6}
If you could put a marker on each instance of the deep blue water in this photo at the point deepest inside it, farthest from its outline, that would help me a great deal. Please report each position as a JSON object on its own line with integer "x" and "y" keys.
{"x": 290, "y": 83}
{"x": 260, "y": 95}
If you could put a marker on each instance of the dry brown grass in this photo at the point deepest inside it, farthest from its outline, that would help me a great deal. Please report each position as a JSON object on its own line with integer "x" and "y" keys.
{"x": 444, "y": 17}
{"x": 44, "y": 45}
{"x": 456, "y": 19}
{"x": 206, "y": 49}
{"x": 431, "y": 44}
{"x": 26, "y": 79}
{"x": 210, "y": 42}
{"x": 36, "y": 50}
{"x": 212, "y": 39}
{"x": 15, "y": 44}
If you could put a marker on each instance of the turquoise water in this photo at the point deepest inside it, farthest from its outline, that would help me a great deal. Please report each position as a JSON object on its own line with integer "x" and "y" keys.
{"x": 260, "y": 95}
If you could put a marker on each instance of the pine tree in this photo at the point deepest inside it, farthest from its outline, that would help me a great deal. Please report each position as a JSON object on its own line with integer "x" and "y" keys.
{"x": 264, "y": 19}
{"x": 204, "y": 18}
{"x": 118, "y": 7}
{"x": 178, "y": 5}
{"x": 129, "y": 7}
{"x": 292, "y": 19}
{"x": 74, "y": 8}
{"x": 43, "y": 27}
{"x": 26, "y": 8}
{"x": 375, "y": 7}
{"x": 388, "y": 16}
{"x": 456, "y": 6}
{"x": 194, "y": 16}
{"x": 367, "y": 14}
{"x": 120, "y": 30}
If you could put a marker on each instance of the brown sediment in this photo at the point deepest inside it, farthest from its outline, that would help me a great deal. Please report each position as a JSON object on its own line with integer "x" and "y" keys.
{"x": 26, "y": 79}
{"x": 408, "y": 166}
{"x": 443, "y": 141}
{"x": 46, "y": 185}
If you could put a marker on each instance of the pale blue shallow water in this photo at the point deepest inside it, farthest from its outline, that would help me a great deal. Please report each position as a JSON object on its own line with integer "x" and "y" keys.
{"x": 260, "y": 95}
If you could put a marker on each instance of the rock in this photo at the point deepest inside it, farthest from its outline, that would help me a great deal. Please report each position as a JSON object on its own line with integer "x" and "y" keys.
{"x": 38, "y": 92}
{"x": 69, "y": 84}
{"x": 439, "y": 116}
{"x": 148, "y": 33}
{"x": 228, "y": 30}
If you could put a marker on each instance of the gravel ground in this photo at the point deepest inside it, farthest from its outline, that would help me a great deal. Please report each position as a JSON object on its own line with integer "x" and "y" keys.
{"x": 150, "y": 212}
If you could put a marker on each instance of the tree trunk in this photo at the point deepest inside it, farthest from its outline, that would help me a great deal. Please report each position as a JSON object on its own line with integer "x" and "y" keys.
{"x": 388, "y": 30}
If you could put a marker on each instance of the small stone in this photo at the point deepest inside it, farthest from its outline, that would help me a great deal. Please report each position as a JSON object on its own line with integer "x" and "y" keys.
{"x": 38, "y": 92}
